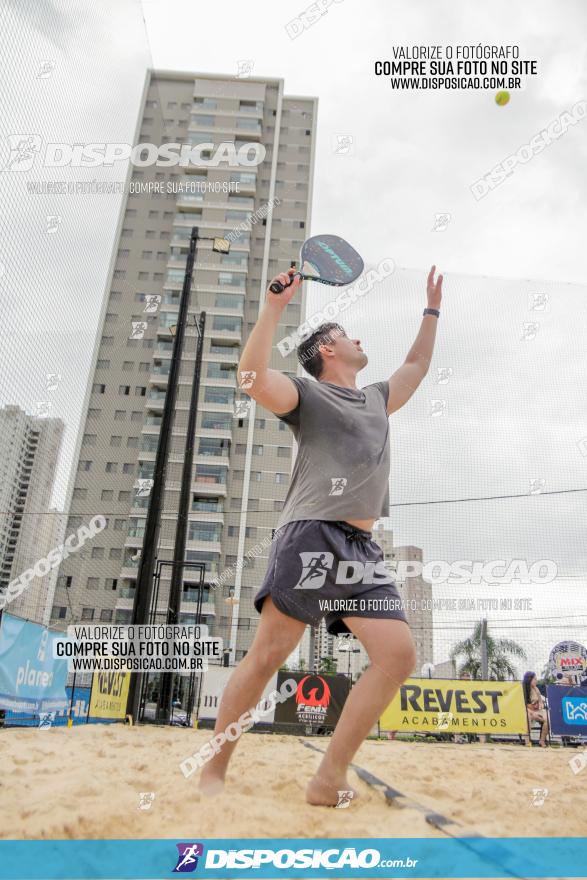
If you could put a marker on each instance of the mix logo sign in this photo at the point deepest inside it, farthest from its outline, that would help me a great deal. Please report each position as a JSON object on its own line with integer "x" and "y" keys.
{"x": 23, "y": 150}
{"x": 188, "y": 855}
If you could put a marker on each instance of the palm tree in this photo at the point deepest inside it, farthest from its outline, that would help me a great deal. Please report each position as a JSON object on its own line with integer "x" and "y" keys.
{"x": 327, "y": 665}
{"x": 499, "y": 665}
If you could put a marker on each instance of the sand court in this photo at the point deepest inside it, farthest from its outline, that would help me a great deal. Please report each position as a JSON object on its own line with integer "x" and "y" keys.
{"x": 87, "y": 781}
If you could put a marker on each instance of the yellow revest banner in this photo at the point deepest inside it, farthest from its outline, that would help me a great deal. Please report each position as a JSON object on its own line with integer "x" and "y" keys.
{"x": 433, "y": 705}
{"x": 109, "y": 694}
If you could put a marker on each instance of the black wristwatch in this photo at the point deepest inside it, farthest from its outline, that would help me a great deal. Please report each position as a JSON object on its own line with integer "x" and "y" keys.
{"x": 431, "y": 312}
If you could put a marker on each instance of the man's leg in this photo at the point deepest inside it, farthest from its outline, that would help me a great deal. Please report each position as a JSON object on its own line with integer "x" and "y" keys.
{"x": 393, "y": 656}
{"x": 276, "y": 637}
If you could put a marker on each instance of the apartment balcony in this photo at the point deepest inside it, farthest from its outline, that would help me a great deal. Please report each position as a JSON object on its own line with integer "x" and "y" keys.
{"x": 190, "y": 202}
{"x": 220, "y": 335}
{"x": 205, "y": 487}
{"x": 159, "y": 378}
{"x": 190, "y": 604}
{"x": 217, "y": 431}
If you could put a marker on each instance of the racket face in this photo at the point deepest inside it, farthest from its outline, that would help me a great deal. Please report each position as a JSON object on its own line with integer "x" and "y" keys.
{"x": 330, "y": 260}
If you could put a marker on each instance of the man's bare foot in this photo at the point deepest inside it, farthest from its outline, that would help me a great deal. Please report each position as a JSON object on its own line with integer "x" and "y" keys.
{"x": 211, "y": 782}
{"x": 324, "y": 792}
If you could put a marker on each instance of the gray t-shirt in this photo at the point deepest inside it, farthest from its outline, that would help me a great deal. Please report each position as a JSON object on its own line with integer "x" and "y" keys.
{"x": 341, "y": 469}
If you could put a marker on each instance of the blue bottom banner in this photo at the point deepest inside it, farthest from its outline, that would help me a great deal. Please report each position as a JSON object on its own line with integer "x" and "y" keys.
{"x": 472, "y": 857}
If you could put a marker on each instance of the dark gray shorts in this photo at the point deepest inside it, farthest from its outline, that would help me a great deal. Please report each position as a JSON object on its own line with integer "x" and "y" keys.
{"x": 326, "y": 569}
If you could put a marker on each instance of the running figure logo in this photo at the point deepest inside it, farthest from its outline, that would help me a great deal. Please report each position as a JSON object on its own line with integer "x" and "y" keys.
{"x": 315, "y": 567}
{"x": 344, "y": 799}
{"x": 338, "y": 485}
{"x": 187, "y": 860}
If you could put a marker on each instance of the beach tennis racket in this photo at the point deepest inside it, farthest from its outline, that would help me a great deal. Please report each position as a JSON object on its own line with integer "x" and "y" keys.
{"x": 328, "y": 259}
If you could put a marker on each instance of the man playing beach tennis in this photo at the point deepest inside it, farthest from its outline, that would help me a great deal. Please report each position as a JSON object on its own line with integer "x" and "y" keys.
{"x": 323, "y": 562}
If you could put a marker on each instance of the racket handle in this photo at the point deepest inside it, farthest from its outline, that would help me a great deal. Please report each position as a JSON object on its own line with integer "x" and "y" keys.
{"x": 278, "y": 287}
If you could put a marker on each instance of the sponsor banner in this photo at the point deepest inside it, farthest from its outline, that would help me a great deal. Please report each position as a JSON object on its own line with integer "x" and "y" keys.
{"x": 32, "y": 680}
{"x": 109, "y": 694}
{"x": 318, "y": 699}
{"x": 377, "y": 857}
{"x": 213, "y": 683}
{"x": 79, "y": 713}
{"x": 436, "y": 705}
{"x": 567, "y": 707}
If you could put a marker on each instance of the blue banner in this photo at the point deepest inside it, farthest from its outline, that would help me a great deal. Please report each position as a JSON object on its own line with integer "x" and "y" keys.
{"x": 528, "y": 857}
{"x": 567, "y": 707}
{"x": 31, "y": 679}
{"x": 79, "y": 713}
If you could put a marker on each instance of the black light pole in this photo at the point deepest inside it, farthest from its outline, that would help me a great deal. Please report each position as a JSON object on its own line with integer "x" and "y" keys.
{"x": 175, "y": 590}
{"x": 144, "y": 587}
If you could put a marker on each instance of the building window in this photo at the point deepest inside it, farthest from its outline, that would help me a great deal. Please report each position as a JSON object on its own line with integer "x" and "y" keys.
{"x": 111, "y": 467}
{"x": 210, "y": 473}
{"x": 59, "y": 612}
{"x": 281, "y": 478}
{"x": 93, "y": 583}
{"x": 283, "y": 452}
{"x": 107, "y": 495}
{"x": 122, "y": 615}
{"x": 106, "y": 615}
{"x": 216, "y": 421}
{"x": 97, "y": 553}
{"x": 87, "y": 613}
{"x": 202, "y": 531}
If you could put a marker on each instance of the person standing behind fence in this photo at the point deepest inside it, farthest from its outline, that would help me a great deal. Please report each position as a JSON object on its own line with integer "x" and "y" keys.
{"x": 535, "y": 705}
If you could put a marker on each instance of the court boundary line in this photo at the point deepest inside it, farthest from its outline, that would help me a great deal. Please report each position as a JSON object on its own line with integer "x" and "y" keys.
{"x": 450, "y": 827}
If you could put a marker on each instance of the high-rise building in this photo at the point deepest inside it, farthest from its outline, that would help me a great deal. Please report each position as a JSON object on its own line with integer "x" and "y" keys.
{"x": 243, "y": 456}
{"x": 29, "y": 450}
{"x": 415, "y": 592}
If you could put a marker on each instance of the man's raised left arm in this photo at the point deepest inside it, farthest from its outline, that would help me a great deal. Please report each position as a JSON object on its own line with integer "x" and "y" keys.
{"x": 404, "y": 382}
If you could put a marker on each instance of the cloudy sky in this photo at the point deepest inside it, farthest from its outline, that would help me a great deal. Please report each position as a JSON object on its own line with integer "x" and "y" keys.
{"x": 513, "y": 408}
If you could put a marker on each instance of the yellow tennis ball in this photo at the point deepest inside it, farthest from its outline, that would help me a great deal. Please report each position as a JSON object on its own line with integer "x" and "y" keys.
{"x": 502, "y": 98}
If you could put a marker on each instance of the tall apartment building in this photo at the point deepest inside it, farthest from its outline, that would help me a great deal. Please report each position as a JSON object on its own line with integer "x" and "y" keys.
{"x": 29, "y": 450}
{"x": 243, "y": 456}
{"x": 416, "y": 594}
